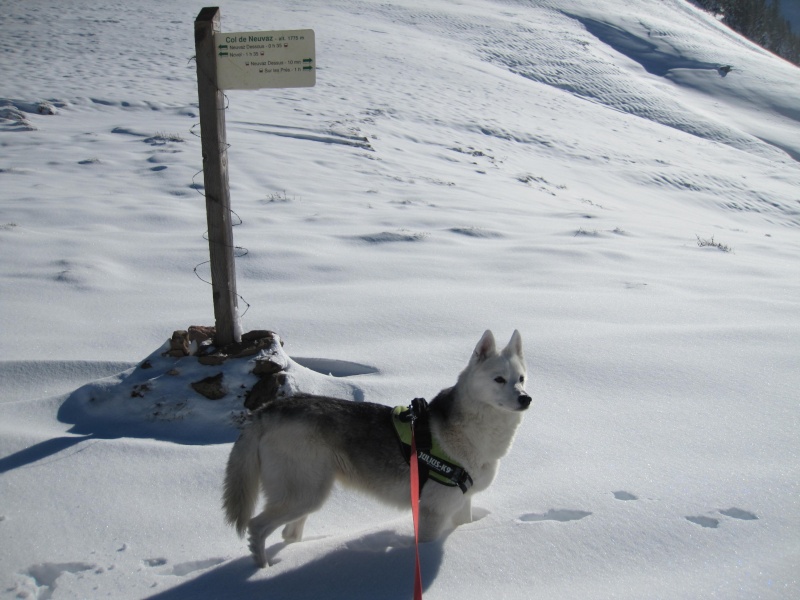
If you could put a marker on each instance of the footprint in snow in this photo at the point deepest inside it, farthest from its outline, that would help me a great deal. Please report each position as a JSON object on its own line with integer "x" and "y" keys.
{"x": 704, "y": 521}
{"x": 562, "y": 515}
{"x": 733, "y": 513}
{"x": 738, "y": 513}
{"x": 185, "y": 568}
{"x": 625, "y": 496}
{"x": 182, "y": 569}
{"x": 44, "y": 578}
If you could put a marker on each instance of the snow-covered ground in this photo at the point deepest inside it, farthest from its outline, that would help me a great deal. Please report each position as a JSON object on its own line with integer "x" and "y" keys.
{"x": 552, "y": 166}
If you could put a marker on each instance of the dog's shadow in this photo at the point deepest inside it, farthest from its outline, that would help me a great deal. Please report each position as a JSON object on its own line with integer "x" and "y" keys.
{"x": 378, "y": 565}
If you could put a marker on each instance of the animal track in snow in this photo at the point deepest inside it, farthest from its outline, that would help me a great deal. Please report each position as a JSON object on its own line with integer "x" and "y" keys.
{"x": 182, "y": 569}
{"x": 738, "y": 513}
{"x": 622, "y": 495}
{"x": 733, "y": 513}
{"x": 563, "y": 515}
{"x": 44, "y": 576}
{"x": 704, "y": 521}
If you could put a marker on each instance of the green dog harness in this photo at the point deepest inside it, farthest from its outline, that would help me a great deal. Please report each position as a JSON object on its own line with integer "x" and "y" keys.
{"x": 433, "y": 461}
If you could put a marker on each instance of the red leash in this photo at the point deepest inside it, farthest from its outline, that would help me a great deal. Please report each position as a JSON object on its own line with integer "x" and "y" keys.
{"x": 414, "y": 464}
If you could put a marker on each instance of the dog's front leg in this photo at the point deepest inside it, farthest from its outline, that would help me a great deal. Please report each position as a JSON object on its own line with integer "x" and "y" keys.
{"x": 293, "y": 532}
{"x": 431, "y": 524}
{"x": 464, "y": 514}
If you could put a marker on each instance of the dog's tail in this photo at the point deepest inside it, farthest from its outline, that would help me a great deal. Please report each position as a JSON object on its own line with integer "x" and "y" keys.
{"x": 242, "y": 477}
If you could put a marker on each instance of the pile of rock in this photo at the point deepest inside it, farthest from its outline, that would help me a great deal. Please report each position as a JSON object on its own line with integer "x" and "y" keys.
{"x": 269, "y": 363}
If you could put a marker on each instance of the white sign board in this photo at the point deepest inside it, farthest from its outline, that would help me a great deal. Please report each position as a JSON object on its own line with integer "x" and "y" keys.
{"x": 250, "y": 60}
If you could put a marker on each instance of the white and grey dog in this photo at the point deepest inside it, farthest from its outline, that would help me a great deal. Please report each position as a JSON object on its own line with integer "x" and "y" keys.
{"x": 295, "y": 448}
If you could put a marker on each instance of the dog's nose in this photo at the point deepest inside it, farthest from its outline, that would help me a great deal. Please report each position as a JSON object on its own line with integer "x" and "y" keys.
{"x": 524, "y": 401}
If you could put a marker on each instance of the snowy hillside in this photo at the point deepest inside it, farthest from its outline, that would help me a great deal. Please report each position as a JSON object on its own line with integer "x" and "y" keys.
{"x": 620, "y": 181}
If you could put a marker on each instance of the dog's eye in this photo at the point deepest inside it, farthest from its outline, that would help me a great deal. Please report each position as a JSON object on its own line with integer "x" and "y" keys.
{"x": 522, "y": 378}
{"x": 500, "y": 380}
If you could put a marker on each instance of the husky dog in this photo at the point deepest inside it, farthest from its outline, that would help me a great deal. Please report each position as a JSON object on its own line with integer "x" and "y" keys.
{"x": 295, "y": 448}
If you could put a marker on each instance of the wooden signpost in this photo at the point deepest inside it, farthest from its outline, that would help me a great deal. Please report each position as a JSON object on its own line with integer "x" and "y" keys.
{"x": 240, "y": 60}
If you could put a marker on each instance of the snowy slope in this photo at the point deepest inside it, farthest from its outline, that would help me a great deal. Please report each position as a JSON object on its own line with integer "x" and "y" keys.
{"x": 546, "y": 166}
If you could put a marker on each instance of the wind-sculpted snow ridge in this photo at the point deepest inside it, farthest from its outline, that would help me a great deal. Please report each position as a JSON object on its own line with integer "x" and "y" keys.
{"x": 596, "y": 60}
{"x": 31, "y": 379}
{"x": 593, "y": 76}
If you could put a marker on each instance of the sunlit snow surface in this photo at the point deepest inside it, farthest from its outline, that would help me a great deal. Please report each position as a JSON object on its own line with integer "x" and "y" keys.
{"x": 617, "y": 180}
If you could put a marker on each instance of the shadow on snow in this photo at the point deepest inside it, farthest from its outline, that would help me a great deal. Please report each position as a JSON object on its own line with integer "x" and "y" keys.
{"x": 378, "y": 565}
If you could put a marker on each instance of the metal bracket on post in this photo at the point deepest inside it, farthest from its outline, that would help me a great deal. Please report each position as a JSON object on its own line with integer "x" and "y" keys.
{"x": 215, "y": 177}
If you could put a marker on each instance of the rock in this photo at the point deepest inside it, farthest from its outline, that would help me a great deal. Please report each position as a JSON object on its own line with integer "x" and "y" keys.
{"x": 248, "y": 349}
{"x": 140, "y": 389}
{"x": 179, "y": 344}
{"x": 258, "y": 334}
{"x": 269, "y": 364}
{"x": 212, "y": 360}
{"x": 265, "y": 390}
{"x": 210, "y": 387}
{"x": 252, "y": 343}
{"x": 201, "y": 333}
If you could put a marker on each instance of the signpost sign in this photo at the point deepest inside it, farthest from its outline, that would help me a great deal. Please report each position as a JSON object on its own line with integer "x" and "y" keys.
{"x": 252, "y": 60}
{"x": 236, "y": 61}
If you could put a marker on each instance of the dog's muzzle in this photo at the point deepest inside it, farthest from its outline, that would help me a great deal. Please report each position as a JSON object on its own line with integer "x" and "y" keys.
{"x": 524, "y": 401}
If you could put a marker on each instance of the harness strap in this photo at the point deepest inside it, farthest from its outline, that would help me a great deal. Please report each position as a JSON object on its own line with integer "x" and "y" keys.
{"x": 421, "y": 439}
{"x": 433, "y": 463}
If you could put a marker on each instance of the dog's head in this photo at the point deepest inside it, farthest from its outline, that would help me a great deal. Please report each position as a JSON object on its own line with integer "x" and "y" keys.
{"x": 497, "y": 378}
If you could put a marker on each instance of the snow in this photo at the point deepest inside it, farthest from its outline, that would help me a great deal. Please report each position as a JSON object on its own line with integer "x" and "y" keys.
{"x": 545, "y": 166}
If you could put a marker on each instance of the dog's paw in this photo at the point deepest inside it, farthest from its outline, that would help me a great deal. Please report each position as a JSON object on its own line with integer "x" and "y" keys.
{"x": 257, "y": 550}
{"x": 259, "y": 559}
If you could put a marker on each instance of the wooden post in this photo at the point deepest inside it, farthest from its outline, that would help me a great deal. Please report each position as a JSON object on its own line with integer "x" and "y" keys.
{"x": 215, "y": 177}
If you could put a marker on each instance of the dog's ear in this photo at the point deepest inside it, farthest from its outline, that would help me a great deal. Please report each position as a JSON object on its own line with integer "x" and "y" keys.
{"x": 514, "y": 345}
{"x": 485, "y": 348}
